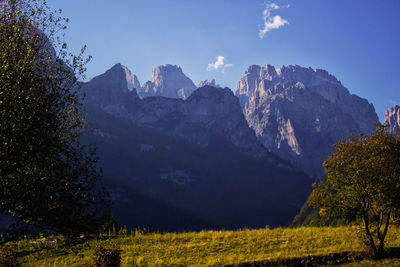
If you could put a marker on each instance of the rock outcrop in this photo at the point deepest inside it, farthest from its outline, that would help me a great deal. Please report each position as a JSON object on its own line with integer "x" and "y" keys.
{"x": 207, "y": 112}
{"x": 114, "y": 91}
{"x": 392, "y": 118}
{"x": 168, "y": 81}
{"x": 299, "y": 113}
{"x": 131, "y": 79}
{"x": 210, "y": 83}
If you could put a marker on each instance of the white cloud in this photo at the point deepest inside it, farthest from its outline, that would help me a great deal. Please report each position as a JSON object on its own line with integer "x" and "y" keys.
{"x": 225, "y": 67}
{"x": 270, "y": 22}
{"x": 273, "y": 6}
{"x": 219, "y": 64}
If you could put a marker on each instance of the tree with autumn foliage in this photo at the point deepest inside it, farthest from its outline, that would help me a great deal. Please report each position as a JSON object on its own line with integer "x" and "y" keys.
{"x": 48, "y": 180}
{"x": 363, "y": 174}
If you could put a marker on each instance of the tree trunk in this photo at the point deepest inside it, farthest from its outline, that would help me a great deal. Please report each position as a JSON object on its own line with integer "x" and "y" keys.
{"x": 368, "y": 234}
{"x": 382, "y": 237}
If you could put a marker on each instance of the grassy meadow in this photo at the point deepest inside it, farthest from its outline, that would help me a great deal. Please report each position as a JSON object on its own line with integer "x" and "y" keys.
{"x": 204, "y": 248}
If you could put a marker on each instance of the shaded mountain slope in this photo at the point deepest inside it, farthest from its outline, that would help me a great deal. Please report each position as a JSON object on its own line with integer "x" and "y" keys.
{"x": 218, "y": 184}
{"x": 195, "y": 156}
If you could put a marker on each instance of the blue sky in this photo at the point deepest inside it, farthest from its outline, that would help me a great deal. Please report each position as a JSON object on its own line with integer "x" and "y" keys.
{"x": 357, "y": 41}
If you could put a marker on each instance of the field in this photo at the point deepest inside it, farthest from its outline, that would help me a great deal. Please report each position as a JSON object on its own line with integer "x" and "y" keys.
{"x": 210, "y": 247}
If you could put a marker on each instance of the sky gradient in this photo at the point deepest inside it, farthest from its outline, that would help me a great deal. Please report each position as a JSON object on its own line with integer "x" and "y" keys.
{"x": 356, "y": 41}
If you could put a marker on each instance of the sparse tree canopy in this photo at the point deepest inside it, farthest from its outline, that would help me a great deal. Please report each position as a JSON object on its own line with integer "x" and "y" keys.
{"x": 47, "y": 179}
{"x": 363, "y": 173}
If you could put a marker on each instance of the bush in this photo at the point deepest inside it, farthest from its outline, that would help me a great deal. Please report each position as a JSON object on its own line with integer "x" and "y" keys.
{"x": 107, "y": 257}
{"x": 8, "y": 256}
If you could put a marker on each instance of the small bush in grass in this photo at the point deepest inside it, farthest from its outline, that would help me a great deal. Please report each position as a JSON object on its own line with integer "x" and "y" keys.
{"x": 107, "y": 257}
{"x": 8, "y": 256}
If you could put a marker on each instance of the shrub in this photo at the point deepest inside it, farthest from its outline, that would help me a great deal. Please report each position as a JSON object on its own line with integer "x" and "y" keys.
{"x": 8, "y": 256}
{"x": 107, "y": 257}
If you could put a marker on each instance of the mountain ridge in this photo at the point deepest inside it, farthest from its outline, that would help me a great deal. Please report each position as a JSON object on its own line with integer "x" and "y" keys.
{"x": 197, "y": 156}
{"x": 299, "y": 113}
{"x": 215, "y": 109}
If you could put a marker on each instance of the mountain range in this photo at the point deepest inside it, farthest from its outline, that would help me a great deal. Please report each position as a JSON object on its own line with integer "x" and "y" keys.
{"x": 195, "y": 160}
{"x": 176, "y": 156}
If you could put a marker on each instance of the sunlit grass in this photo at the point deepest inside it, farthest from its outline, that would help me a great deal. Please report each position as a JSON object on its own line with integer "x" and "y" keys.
{"x": 216, "y": 247}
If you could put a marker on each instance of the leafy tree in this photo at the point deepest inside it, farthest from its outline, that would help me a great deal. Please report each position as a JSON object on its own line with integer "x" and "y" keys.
{"x": 364, "y": 174}
{"x": 47, "y": 178}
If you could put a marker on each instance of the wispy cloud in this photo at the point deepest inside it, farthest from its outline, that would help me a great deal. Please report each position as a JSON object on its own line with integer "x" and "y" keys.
{"x": 272, "y": 22}
{"x": 225, "y": 67}
{"x": 219, "y": 64}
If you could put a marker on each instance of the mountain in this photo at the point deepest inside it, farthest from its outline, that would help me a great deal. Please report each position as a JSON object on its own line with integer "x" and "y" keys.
{"x": 195, "y": 158}
{"x": 299, "y": 113}
{"x": 309, "y": 216}
{"x": 210, "y": 83}
{"x": 168, "y": 81}
{"x": 114, "y": 91}
{"x": 392, "y": 118}
{"x": 208, "y": 111}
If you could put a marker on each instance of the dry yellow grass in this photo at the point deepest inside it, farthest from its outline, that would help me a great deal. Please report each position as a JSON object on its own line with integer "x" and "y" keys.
{"x": 217, "y": 247}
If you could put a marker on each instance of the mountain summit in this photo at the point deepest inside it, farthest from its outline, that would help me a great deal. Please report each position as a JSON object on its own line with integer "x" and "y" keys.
{"x": 114, "y": 90}
{"x": 168, "y": 81}
{"x": 299, "y": 113}
{"x": 392, "y": 118}
{"x": 210, "y": 83}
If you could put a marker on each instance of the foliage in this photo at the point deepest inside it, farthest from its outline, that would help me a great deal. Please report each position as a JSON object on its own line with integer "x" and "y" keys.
{"x": 8, "y": 256}
{"x": 309, "y": 216}
{"x": 107, "y": 257}
{"x": 47, "y": 178}
{"x": 364, "y": 174}
{"x": 216, "y": 248}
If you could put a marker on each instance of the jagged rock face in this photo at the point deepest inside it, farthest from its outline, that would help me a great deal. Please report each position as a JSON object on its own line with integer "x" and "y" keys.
{"x": 131, "y": 79}
{"x": 299, "y": 113}
{"x": 208, "y": 111}
{"x": 168, "y": 81}
{"x": 219, "y": 111}
{"x": 210, "y": 83}
{"x": 114, "y": 91}
{"x": 259, "y": 79}
{"x": 392, "y": 119}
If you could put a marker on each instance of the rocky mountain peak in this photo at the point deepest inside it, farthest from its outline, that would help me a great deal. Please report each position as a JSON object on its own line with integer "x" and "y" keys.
{"x": 131, "y": 79}
{"x": 392, "y": 118}
{"x": 168, "y": 81}
{"x": 253, "y": 69}
{"x": 114, "y": 90}
{"x": 269, "y": 72}
{"x": 209, "y": 100}
{"x": 161, "y": 72}
{"x": 210, "y": 83}
{"x": 218, "y": 110}
{"x": 119, "y": 77}
{"x": 258, "y": 79}
{"x": 298, "y": 113}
